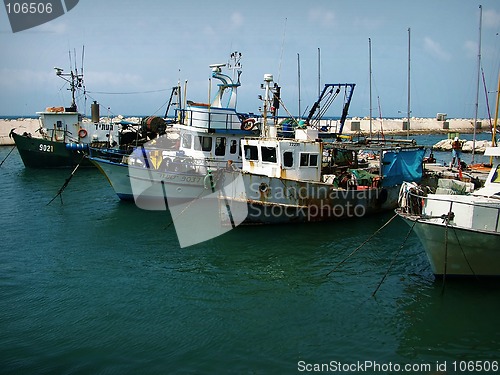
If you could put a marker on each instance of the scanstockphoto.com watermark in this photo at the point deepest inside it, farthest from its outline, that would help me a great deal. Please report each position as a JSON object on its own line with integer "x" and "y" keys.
{"x": 309, "y": 190}
{"x": 310, "y": 202}
{"x": 370, "y": 366}
{"x": 24, "y": 15}
{"x": 312, "y": 212}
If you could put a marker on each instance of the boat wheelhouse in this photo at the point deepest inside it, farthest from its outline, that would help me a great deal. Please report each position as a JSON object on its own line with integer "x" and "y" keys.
{"x": 308, "y": 178}
{"x": 207, "y": 137}
{"x": 63, "y": 136}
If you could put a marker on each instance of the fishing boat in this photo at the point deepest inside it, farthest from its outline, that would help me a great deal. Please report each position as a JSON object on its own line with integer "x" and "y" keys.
{"x": 313, "y": 176}
{"x": 180, "y": 164}
{"x": 63, "y": 136}
{"x": 460, "y": 233}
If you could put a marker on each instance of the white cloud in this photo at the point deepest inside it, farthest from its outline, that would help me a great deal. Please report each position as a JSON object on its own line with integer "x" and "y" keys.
{"x": 470, "y": 48}
{"x": 368, "y": 23}
{"x": 322, "y": 17}
{"x": 12, "y": 79}
{"x": 435, "y": 49}
{"x": 53, "y": 27}
{"x": 237, "y": 19}
{"x": 491, "y": 18}
{"x": 208, "y": 31}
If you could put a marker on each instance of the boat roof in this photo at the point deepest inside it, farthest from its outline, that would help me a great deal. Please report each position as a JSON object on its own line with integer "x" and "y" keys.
{"x": 195, "y": 129}
{"x": 492, "y": 151}
{"x": 373, "y": 146}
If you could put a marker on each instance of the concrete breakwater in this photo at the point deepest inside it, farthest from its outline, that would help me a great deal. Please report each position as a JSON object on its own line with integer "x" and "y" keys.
{"x": 354, "y": 125}
{"x": 21, "y": 125}
{"x": 415, "y": 126}
{"x": 446, "y": 145}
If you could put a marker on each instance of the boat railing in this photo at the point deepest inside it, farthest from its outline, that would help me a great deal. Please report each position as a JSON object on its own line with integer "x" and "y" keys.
{"x": 211, "y": 118}
{"x": 476, "y": 215}
{"x": 190, "y": 164}
{"x": 60, "y": 135}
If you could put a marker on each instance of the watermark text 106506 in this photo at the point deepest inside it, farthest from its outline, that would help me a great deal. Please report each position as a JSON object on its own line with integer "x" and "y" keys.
{"x": 29, "y": 8}
{"x": 24, "y": 15}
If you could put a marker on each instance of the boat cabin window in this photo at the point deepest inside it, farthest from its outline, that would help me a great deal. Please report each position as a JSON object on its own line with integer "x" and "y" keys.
{"x": 313, "y": 160}
{"x": 203, "y": 143}
{"x": 233, "y": 146}
{"x": 220, "y": 146}
{"x": 308, "y": 160}
{"x": 288, "y": 159}
{"x": 251, "y": 152}
{"x": 186, "y": 140}
{"x": 268, "y": 154}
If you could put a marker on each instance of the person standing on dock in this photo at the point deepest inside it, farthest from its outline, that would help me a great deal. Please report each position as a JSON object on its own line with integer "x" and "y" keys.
{"x": 456, "y": 150}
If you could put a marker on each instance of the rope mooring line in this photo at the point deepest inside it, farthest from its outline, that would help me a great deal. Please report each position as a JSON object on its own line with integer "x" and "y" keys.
{"x": 66, "y": 183}
{"x": 360, "y": 246}
{"x": 394, "y": 259}
{"x": 3, "y": 161}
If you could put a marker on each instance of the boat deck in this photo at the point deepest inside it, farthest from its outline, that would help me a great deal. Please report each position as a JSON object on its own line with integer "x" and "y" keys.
{"x": 435, "y": 171}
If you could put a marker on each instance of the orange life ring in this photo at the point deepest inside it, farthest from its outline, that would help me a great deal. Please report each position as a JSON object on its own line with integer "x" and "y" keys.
{"x": 82, "y": 133}
{"x": 194, "y": 104}
{"x": 54, "y": 109}
{"x": 248, "y": 124}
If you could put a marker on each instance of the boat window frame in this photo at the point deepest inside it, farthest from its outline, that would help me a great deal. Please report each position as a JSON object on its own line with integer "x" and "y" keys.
{"x": 253, "y": 152}
{"x": 185, "y": 143}
{"x": 316, "y": 156}
{"x": 269, "y": 154}
{"x": 305, "y": 159}
{"x": 220, "y": 146}
{"x": 202, "y": 143}
{"x": 233, "y": 146}
{"x": 285, "y": 159}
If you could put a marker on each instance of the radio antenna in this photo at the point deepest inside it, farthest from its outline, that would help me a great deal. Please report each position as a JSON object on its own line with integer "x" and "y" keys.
{"x": 282, "y": 48}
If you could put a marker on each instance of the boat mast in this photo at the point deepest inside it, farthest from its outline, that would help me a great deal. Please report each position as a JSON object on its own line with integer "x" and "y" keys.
{"x": 74, "y": 79}
{"x": 370, "y": 75}
{"x": 477, "y": 86}
{"x": 298, "y": 73}
{"x": 495, "y": 123}
{"x": 319, "y": 71}
{"x": 409, "y": 65}
{"x": 269, "y": 130}
{"x": 380, "y": 117}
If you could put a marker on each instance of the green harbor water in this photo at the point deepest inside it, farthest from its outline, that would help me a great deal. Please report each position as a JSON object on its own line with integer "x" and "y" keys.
{"x": 93, "y": 285}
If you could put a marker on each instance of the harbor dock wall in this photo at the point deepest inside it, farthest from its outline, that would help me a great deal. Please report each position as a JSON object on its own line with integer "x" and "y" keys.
{"x": 351, "y": 126}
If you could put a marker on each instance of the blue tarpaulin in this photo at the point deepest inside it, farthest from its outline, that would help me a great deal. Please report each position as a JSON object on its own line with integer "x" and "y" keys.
{"x": 402, "y": 165}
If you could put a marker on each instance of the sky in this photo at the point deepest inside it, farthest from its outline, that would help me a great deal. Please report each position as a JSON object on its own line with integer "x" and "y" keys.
{"x": 135, "y": 51}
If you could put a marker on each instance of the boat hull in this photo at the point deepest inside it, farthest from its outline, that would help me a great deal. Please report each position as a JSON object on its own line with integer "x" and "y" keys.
{"x": 42, "y": 153}
{"x": 457, "y": 251}
{"x": 152, "y": 189}
{"x": 271, "y": 200}
{"x": 117, "y": 176}
{"x": 155, "y": 190}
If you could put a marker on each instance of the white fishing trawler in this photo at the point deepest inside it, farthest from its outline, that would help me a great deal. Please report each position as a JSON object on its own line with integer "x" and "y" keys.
{"x": 63, "y": 137}
{"x": 181, "y": 163}
{"x": 312, "y": 178}
{"x": 460, "y": 233}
